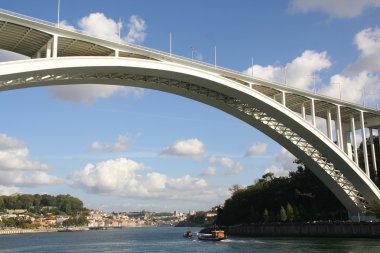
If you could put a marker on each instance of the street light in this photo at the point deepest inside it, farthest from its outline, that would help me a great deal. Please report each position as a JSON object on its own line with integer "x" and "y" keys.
{"x": 58, "y": 7}
{"x": 314, "y": 77}
{"x": 192, "y": 53}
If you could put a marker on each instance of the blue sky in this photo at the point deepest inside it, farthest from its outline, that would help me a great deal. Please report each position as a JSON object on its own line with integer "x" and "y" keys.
{"x": 130, "y": 149}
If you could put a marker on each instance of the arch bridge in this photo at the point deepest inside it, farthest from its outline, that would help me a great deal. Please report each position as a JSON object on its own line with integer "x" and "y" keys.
{"x": 287, "y": 115}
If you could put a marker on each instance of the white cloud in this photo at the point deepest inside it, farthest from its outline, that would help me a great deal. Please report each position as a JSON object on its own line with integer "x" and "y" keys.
{"x": 277, "y": 171}
{"x": 368, "y": 43}
{"x": 335, "y": 8}
{"x": 257, "y": 149}
{"x": 121, "y": 143}
{"x": 360, "y": 80}
{"x": 353, "y": 88}
{"x": 122, "y": 177}
{"x": 208, "y": 172}
{"x": 282, "y": 163}
{"x": 65, "y": 25}
{"x": 89, "y": 93}
{"x": 98, "y": 25}
{"x": 6, "y": 191}
{"x": 137, "y": 30}
{"x": 14, "y": 155}
{"x": 226, "y": 162}
{"x": 299, "y": 73}
{"x": 17, "y": 169}
{"x": 191, "y": 148}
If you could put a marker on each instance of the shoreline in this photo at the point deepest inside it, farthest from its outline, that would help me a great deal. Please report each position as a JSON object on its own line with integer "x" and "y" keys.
{"x": 352, "y": 230}
{"x": 27, "y": 231}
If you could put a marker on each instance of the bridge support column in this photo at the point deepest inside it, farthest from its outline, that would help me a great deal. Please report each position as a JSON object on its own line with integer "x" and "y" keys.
{"x": 353, "y": 137}
{"x": 313, "y": 112}
{"x": 364, "y": 143}
{"x": 374, "y": 165}
{"x": 303, "y": 111}
{"x": 338, "y": 126}
{"x": 117, "y": 53}
{"x": 328, "y": 123}
{"x": 48, "y": 49}
{"x": 347, "y": 144}
{"x": 55, "y": 46}
{"x": 283, "y": 98}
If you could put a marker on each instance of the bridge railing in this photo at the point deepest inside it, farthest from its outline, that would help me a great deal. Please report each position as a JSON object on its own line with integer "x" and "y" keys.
{"x": 27, "y": 17}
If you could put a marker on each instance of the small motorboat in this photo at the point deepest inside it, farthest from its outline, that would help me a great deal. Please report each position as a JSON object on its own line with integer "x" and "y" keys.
{"x": 211, "y": 234}
{"x": 188, "y": 234}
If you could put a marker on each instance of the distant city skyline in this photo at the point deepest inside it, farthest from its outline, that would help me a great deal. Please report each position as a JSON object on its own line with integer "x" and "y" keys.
{"x": 128, "y": 149}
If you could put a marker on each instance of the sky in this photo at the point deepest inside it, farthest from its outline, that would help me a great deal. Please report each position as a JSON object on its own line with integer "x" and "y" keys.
{"x": 127, "y": 149}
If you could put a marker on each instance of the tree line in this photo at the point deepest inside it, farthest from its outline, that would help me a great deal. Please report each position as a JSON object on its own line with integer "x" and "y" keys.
{"x": 42, "y": 204}
{"x": 299, "y": 197}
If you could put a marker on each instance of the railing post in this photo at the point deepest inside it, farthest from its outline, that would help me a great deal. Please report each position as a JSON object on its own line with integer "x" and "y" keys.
{"x": 364, "y": 143}
{"x": 48, "y": 49}
{"x": 283, "y": 98}
{"x": 338, "y": 126}
{"x": 373, "y": 152}
{"x": 313, "y": 112}
{"x": 328, "y": 122}
{"x": 353, "y": 136}
{"x": 55, "y": 46}
{"x": 303, "y": 111}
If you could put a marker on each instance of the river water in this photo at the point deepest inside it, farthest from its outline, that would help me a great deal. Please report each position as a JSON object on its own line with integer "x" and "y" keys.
{"x": 169, "y": 239}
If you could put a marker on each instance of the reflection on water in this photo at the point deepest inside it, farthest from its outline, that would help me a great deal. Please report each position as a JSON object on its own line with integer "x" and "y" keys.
{"x": 171, "y": 240}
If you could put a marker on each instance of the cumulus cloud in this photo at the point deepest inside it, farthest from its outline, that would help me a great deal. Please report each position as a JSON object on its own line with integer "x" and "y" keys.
{"x": 284, "y": 163}
{"x": 368, "y": 43}
{"x": 300, "y": 73}
{"x": 355, "y": 88}
{"x": 336, "y": 8}
{"x": 208, "y": 172}
{"x": 137, "y": 30}
{"x": 121, "y": 143}
{"x": 65, "y": 25}
{"x": 98, "y": 25}
{"x": 123, "y": 177}
{"x": 18, "y": 169}
{"x": 359, "y": 81}
{"x": 14, "y": 155}
{"x": 228, "y": 163}
{"x": 190, "y": 148}
{"x": 6, "y": 191}
{"x": 90, "y": 93}
{"x": 257, "y": 149}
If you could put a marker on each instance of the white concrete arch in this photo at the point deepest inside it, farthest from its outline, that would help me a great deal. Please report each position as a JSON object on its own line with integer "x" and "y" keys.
{"x": 328, "y": 161}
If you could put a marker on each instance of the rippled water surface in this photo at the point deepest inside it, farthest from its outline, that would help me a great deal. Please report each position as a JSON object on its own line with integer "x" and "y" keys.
{"x": 170, "y": 239}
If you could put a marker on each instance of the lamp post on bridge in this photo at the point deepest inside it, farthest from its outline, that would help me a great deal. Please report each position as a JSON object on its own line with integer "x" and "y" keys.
{"x": 58, "y": 11}
{"x": 314, "y": 85}
{"x": 192, "y": 52}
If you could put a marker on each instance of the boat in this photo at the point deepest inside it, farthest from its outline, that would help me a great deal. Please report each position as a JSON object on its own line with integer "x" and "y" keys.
{"x": 211, "y": 234}
{"x": 188, "y": 234}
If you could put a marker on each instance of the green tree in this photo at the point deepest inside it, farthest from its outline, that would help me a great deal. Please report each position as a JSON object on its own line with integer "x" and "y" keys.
{"x": 289, "y": 212}
{"x": 266, "y": 215}
{"x": 283, "y": 216}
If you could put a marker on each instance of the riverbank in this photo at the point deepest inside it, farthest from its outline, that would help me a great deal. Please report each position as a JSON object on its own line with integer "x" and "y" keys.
{"x": 41, "y": 230}
{"x": 27, "y": 231}
{"x": 349, "y": 229}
